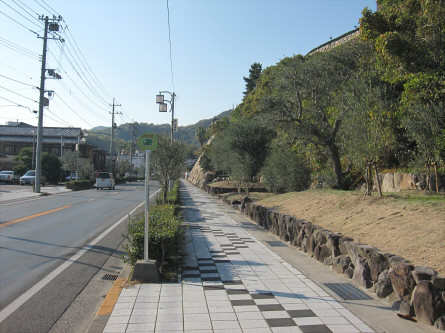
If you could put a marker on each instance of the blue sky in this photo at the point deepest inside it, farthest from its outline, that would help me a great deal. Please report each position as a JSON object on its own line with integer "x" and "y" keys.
{"x": 126, "y": 47}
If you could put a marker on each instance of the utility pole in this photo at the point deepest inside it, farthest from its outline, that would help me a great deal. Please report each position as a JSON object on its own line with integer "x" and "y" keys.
{"x": 113, "y": 125}
{"x": 42, "y": 100}
{"x": 133, "y": 133}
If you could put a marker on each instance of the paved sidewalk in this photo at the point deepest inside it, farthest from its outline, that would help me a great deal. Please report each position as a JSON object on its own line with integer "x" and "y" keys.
{"x": 233, "y": 282}
{"x": 24, "y": 192}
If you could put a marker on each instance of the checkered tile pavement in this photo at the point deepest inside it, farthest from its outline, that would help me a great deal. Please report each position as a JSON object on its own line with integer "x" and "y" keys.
{"x": 230, "y": 282}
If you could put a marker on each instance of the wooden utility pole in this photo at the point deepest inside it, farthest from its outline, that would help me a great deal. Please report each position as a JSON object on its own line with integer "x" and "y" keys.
{"x": 113, "y": 126}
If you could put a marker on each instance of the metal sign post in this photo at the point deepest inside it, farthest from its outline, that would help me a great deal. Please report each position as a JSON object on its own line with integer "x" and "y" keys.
{"x": 147, "y": 142}
{"x": 147, "y": 200}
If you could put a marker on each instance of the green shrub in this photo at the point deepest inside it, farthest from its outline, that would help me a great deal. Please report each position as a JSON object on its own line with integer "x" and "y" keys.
{"x": 285, "y": 171}
{"x": 172, "y": 196}
{"x": 164, "y": 231}
{"x": 77, "y": 185}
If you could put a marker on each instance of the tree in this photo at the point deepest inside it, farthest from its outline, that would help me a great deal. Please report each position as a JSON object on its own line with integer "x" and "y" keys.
{"x": 254, "y": 73}
{"x": 408, "y": 38}
{"x": 425, "y": 124}
{"x": 241, "y": 149}
{"x": 86, "y": 171}
{"x": 285, "y": 171}
{"x": 51, "y": 167}
{"x": 25, "y": 160}
{"x": 299, "y": 97}
{"x": 168, "y": 161}
{"x": 201, "y": 135}
{"x": 366, "y": 133}
{"x": 70, "y": 161}
{"x": 124, "y": 167}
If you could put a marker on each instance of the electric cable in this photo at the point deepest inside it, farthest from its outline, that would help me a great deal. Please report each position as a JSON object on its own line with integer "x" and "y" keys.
{"x": 78, "y": 86}
{"x": 73, "y": 111}
{"x": 19, "y": 23}
{"x": 17, "y": 48}
{"x": 48, "y": 7}
{"x": 95, "y": 79}
{"x": 21, "y": 14}
{"x": 170, "y": 43}
{"x": 37, "y": 14}
{"x": 32, "y": 15}
{"x": 27, "y": 84}
{"x": 18, "y": 94}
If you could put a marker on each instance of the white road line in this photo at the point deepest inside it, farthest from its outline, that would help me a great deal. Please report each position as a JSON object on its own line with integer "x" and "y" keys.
{"x": 93, "y": 199}
{"x": 14, "y": 305}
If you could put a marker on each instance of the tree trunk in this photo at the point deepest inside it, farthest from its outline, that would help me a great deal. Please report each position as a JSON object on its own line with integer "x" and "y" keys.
{"x": 437, "y": 177}
{"x": 377, "y": 180}
{"x": 368, "y": 179}
{"x": 428, "y": 176}
{"x": 247, "y": 188}
{"x": 335, "y": 155}
{"x": 165, "y": 191}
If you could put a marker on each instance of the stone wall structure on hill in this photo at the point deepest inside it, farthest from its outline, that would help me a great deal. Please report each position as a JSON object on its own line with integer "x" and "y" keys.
{"x": 198, "y": 177}
{"x": 418, "y": 290}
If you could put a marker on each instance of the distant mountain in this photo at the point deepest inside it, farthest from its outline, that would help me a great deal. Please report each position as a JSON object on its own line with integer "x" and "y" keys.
{"x": 100, "y": 135}
{"x": 98, "y": 128}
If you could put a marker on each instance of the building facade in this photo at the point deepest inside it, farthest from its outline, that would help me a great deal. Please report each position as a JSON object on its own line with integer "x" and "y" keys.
{"x": 56, "y": 140}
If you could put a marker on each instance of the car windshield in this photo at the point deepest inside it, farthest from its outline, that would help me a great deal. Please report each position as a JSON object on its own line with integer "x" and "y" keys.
{"x": 6, "y": 172}
{"x": 30, "y": 173}
{"x": 103, "y": 175}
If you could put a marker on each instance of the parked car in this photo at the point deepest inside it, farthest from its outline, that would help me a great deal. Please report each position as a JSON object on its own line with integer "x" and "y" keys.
{"x": 30, "y": 177}
{"x": 105, "y": 179}
{"x": 72, "y": 177}
{"x": 9, "y": 177}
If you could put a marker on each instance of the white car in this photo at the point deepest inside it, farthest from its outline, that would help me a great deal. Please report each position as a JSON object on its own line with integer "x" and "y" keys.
{"x": 30, "y": 177}
{"x": 105, "y": 180}
{"x": 9, "y": 177}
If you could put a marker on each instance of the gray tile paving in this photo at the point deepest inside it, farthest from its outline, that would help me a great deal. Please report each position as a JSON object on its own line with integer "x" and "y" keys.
{"x": 231, "y": 281}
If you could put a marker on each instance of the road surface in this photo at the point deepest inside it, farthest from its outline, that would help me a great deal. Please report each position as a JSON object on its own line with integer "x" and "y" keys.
{"x": 51, "y": 247}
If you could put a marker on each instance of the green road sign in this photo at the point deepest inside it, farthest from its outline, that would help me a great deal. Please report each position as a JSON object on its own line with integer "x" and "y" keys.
{"x": 148, "y": 141}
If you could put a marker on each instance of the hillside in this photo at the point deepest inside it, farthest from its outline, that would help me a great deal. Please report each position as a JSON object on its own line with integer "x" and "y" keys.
{"x": 410, "y": 224}
{"x": 100, "y": 136}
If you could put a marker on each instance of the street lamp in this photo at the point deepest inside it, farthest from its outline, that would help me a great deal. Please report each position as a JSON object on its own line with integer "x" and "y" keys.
{"x": 163, "y": 107}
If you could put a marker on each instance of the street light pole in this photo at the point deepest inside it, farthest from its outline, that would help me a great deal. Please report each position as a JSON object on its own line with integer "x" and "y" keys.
{"x": 163, "y": 107}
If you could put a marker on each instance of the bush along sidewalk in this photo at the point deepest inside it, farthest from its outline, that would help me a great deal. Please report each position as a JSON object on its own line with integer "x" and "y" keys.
{"x": 164, "y": 232}
{"x": 78, "y": 185}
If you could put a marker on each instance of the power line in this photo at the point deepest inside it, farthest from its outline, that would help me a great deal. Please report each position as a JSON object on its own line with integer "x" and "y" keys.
{"x": 47, "y": 8}
{"x": 95, "y": 79}
{"x": 16, "y": 104}
{"x": 32, "y": 15}
{"x": 74, "y": 111}
{"x": 19, "y": 49}
{"x": 28, "y": 7}
{"x": 21, "y": 14}
{"x": 18, "y": 94}
{"x": 27, "y": 84}
{"x": 16, "y": 70}
{"x": 64, "y": 122}
{"x": 170, "y": 42}
{"x": 75, "y": 82}
{"x": 19, "y": 23}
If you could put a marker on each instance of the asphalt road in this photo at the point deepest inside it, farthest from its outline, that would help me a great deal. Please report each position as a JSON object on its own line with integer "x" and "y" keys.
{"x": 51, "y": 247}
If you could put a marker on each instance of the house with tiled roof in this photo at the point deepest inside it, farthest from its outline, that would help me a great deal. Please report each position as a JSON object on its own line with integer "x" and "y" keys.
{"x": 55, "y": 140}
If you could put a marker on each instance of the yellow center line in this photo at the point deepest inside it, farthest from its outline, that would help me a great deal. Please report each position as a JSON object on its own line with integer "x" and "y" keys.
{"x": 32, "y": 216}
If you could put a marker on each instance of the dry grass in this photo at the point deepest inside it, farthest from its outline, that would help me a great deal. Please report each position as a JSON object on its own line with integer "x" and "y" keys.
{"x": 410, "y": 224}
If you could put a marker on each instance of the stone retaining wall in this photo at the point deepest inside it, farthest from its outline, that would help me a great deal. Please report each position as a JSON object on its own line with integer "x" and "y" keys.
{"x": 418, "y": 291}
{"x": 399, "y": 181}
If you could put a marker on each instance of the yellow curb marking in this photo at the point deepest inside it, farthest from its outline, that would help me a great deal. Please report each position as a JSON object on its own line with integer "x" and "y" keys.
{"x": 32, "y": 216}
{"x": 111, "y": 299}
